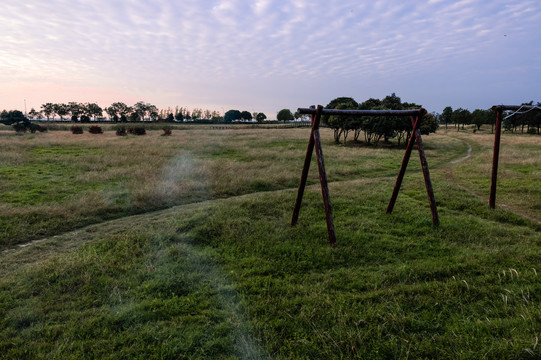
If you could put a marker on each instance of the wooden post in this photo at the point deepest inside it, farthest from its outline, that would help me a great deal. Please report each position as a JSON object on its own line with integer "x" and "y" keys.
{"x": 403, "y": 167}
{"x": 323, "y": 180}
{"x": 304, "y": 175}
{"x": 495, "y": 156}
{"x": 315, "y": 141}
{"x": 428, "y": 182}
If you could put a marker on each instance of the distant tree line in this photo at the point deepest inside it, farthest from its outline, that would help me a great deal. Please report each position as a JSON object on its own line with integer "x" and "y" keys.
{"x": 375, "y": 128}
{"x": 141, "y": 111}
{"x": 237, "y": 115}
{"x": 529, "y": 122}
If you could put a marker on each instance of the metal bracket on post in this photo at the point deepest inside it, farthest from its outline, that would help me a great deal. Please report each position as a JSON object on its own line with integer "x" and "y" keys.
{"x": 315, "y": 141}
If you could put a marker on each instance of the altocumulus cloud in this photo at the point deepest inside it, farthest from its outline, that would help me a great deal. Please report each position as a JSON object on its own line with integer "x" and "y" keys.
{"x": 268, "y": 52}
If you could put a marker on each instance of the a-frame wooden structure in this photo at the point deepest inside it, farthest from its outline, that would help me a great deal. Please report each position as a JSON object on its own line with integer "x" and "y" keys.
{"x": 315, "y": 142}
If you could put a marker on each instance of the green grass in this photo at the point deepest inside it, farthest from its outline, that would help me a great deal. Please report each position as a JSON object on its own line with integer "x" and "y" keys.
{"x": 229, "y": 278}
{"x": 57, "y": 181}
{"x": 518, "y": 171}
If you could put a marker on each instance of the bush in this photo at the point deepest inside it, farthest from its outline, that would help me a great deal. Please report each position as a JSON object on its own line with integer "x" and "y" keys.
{"x": 137, "y": 131}
{"x": 76, "y": 129}
{"x": 121, "y": 131}
{"x": 95, "y": 129}
{"x": 167, "y": 132}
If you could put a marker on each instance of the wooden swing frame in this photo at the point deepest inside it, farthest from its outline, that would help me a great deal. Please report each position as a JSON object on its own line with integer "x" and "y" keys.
{"x": 315, "y": 142}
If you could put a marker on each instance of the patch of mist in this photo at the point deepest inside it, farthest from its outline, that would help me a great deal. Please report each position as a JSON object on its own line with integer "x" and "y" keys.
{"x": 183, "y": 180}
{"x": 245, "y": 346}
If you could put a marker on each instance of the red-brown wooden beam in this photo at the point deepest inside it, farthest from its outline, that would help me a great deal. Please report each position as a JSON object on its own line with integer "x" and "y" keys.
{"x": 497, "y": 139}
{"x": 428, "y": 182}
{"x": 403, "y": 167}
{"x": 495, "y": 156}
{"x": 304, "y": 175}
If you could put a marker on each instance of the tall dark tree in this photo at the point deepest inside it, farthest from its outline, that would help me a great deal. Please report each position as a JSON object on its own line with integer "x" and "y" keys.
{"x": 94, "y": 110}
{"x": 232, "y": 115}
{"x": 285, "y": 115}
{"x": 480, "y": 117}
{"x": 12, "y": 117}
{"x": 445, "y": 116}
{"x": 33, "y": 114}
{"x": 260, "y": 117}
{"x": 246, "y": 116}
{"x": 140, "y": 108}
{"x": 341, "y": 125}
{"x": 119, "y": 109}
{"x": 61, "y": 110}
{"x": 461, "y": 116}
{"x": 48, "y": 110}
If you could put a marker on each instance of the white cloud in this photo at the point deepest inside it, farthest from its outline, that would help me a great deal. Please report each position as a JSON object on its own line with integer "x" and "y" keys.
{"x": 170, "y": 46}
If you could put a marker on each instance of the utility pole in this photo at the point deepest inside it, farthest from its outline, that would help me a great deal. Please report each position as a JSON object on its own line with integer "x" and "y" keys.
{"x": 25, "y": 115}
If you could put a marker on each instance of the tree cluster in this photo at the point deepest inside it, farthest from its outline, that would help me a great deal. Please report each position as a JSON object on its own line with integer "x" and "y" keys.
{"x": 375, "y": 128}
{"x": 531, "y": 120}
{"x": 237, "y": 115}
{"x": 141, "y": 111}
{"x": 72, "y": 110}
{"x": 19, "y": 122}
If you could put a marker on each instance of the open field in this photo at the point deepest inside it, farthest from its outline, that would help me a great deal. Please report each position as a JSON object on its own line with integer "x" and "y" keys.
{"x": 180, "y": 247}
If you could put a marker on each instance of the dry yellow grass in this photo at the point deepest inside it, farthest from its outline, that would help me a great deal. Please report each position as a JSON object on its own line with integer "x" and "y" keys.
{"x": 58, "y": 174}
{"x": 519, "y": 170}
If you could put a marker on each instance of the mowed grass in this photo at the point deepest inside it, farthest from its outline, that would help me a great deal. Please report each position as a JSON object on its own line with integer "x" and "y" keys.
{"x": 227, "y": 277}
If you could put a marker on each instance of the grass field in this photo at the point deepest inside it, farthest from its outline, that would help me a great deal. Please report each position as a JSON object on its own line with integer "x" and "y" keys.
{"x": 180, "y": 247}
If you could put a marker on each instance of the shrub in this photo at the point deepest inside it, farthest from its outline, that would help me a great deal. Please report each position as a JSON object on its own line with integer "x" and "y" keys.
{"x": 121, "y": 131}
{"x": 166, "y": 132}
{"x": 137, "y": 131}
{"x": 95, "y": 129}
{"x": 76, "y": 129}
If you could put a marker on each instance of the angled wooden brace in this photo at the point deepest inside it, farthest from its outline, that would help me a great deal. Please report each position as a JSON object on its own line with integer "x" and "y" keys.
{"x": 315, "y": 141}
{"x": 416, "y": 135}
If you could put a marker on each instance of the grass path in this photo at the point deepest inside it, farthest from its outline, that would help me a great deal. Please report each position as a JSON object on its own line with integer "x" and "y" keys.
{"x": 231, "y": 275}
{"x": 452, "y": 180}
{"x": 448, "y": 168}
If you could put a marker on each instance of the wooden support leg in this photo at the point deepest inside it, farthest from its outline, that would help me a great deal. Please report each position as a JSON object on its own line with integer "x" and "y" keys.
{"x": 324, "y": 187}
{"x": 428, "y": 182}
{"x": 315, "y": 142}
{"x": 403, "y": 167}
{"x": 304, "y": 175}
{"x": 416, "y": 136}
{"x": 496, "y": 155}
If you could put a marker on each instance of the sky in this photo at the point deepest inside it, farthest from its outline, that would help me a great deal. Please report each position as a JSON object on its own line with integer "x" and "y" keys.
{"x": 266, "y": 55}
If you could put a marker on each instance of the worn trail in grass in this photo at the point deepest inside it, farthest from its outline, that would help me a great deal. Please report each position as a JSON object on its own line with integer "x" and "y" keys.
{"x": 202, "y": 279}
{"x": 230, "y": 278}
{"x": 56, "y": 182}
{"x": 527, "y": 201}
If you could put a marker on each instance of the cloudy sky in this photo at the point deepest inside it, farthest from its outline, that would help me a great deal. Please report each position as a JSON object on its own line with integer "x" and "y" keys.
{"x": 265, "y": 55}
